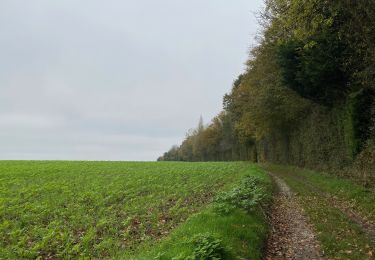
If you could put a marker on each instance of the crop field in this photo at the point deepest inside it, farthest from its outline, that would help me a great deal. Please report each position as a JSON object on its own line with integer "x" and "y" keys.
{"x": 58, "y": 209}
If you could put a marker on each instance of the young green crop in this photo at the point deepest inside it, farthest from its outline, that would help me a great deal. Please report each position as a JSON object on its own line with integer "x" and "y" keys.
{"x": 98, "y": 209}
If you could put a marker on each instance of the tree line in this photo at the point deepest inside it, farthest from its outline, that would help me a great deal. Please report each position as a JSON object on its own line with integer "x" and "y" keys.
{"x": 307, "y": 96}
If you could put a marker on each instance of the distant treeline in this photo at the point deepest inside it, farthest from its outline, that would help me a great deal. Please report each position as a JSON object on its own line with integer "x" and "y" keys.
{"x": 307, "y": 97}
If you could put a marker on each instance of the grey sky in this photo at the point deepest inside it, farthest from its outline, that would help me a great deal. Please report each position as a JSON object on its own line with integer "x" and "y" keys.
{"x": 117, "y": 79}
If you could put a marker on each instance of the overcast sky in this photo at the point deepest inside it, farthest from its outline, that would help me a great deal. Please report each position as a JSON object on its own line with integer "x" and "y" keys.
{"x": 116, "y": 79}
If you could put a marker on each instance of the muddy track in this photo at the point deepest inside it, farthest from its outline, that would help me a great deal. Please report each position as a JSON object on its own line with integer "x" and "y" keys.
{"x": 291, "y": 236}
{"x": 367, "y": 226}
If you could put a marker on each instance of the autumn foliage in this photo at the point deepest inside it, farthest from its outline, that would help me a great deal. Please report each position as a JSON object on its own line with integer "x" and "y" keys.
{"x": 307, "y": 97}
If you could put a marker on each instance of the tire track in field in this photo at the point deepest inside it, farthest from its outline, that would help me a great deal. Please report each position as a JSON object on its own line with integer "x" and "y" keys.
{"x": 291, "y": 237}
{"x": 367, "y": 226}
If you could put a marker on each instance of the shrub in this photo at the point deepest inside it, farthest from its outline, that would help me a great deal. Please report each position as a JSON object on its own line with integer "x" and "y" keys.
{"x": 206, "y": 247}
{"x": 248, "y": 195}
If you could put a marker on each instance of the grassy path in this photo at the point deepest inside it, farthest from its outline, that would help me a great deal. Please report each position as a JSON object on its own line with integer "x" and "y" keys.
{"x": 341, "y": 204}
{"x": 341, "y": 212}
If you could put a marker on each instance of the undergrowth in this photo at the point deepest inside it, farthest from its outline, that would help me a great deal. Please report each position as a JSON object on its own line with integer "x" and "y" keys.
{"x": 247, "y": 196}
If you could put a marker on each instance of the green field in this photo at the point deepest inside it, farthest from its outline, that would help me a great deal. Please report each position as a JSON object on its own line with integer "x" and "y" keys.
{"x": 59, "y": 209}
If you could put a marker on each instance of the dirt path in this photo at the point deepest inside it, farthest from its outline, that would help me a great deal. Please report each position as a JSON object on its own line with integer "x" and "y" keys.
{"x": 291, "y": 237}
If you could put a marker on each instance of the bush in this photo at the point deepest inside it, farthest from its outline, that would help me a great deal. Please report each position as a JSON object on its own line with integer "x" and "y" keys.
{"x": 206, "y": 246}
{"x": 248, "y": 195}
